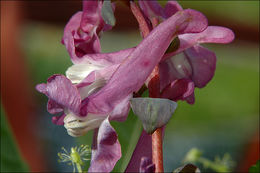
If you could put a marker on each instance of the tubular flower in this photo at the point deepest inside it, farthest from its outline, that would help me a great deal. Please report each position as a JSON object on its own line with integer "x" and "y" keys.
{"x": 98, "y": 87}
{"x": 190, "y": 65}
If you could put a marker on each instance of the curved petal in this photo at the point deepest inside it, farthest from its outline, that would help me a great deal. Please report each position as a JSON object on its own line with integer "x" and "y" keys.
{"x": 81, "y": 32}
{"x": 133, "y": 72}
{"x": 91, "y": 16}
{"x": 203, "y": 63}
{"x": 176, "y": 67}
{"x": 78, "y": 43}
{"x": 213, "y": 34}
{"x": 106, "y": 149}
{"x": 60, "y": 90}
{"x": 179, "y": 89}
{"x": 171, "y": 8}
{"x": 143, "y": 149}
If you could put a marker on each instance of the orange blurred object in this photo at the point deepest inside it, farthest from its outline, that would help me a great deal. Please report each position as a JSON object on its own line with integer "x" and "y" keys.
{"x": 15, "y": 89}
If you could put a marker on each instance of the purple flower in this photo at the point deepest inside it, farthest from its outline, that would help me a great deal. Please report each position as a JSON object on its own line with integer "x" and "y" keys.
{"x": 180, "y": 71}
{"x": 98, "y": 86}
{"x": 81, "y": 34}
{"x": 191, "y": 65}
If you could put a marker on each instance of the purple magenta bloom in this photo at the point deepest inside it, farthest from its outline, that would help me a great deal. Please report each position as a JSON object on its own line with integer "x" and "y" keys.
{"x": 81, "y": 34}
{"x": 190, "y": 61}
{"x": 98, "y": 86}
{"x": 180, "y": 71}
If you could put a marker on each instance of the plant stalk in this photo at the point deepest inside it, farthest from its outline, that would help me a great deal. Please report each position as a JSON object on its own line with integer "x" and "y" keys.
{"x": 78, "y": 168}
{"x": 157, "y": 150}
{"x": 143, "y": 25}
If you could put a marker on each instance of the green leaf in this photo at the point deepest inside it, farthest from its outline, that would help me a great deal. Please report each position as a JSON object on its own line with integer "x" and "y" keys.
{"x": 189, "y": 168}
{"x": 255, "y": 168}
{"x": 108, "y": 13}
{"x": 153, "y": 112}
{"x": 10, "y": 157}
{"x": 128, "y": 135}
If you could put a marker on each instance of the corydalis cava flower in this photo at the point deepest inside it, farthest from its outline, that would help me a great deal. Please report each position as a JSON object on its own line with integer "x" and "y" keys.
{"x": 180, "y": 70}
{"x": 98, "y": 86}
{"x": 190, "y": 65}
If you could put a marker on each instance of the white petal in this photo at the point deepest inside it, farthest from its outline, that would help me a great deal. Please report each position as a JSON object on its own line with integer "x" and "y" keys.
{"x": 87, "y": 90}
{"x": 77, "y": 72}
{"x": 77, "y": 126}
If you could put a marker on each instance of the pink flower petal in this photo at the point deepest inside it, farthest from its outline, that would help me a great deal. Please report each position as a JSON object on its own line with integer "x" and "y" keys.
{"x": 203, "y": 63}
{"x": 133, "y": 72}
{"x": 106, "y": 149}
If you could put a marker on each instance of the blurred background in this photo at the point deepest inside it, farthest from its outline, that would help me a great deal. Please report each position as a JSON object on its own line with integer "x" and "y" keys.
{"x": 224, "y": 118}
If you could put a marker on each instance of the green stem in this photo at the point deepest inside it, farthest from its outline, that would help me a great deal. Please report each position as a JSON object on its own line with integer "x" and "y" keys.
{"x": 79, "y": 168}
{"x": 216, "y": 167}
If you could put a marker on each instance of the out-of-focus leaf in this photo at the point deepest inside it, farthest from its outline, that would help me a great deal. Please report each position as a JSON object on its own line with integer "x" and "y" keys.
{"x": 192, "y": 156}
{"x": 10, "y": 158}
{"x": 255, "y": 168}
{"x": 108, "y": 13}
{"x": 189, "y": 168}
{"x": 153, "y": 112}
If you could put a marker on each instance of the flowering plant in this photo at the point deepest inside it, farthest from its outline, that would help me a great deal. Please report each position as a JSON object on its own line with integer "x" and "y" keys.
{"x": 101, "y": 87}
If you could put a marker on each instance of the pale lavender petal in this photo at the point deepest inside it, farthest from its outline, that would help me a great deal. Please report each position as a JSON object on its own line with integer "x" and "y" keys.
{"x": 171, "y": 8}
{"x": 60, "y": 90}
{"x": 213, "y": 34}
{"x": 143, "y": 149}
{"x": 203, "y": 63}
{"x": 133, "y": 72}
{"x": 180, "y": 89}
{"x": 106, "y": 149}
{"x": 146, "y": 165}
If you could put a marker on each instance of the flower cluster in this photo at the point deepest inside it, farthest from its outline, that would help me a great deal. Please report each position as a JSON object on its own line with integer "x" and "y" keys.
{"x": 98, "y": 86}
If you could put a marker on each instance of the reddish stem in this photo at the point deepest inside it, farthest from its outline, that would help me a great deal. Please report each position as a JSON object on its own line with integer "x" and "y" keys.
{"x": 157, "y": 150}
{"x": 154, "y": 89}
{"x": 144, "y": 27}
